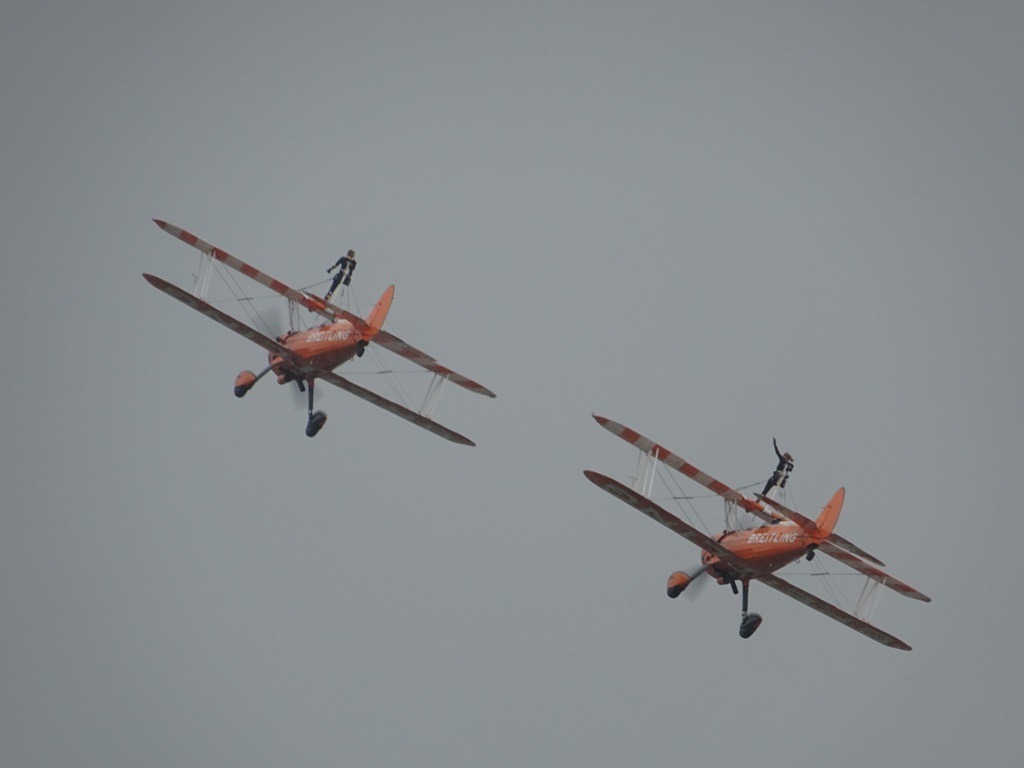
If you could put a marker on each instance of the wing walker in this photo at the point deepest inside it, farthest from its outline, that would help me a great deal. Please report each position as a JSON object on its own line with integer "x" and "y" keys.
{"x": 305, "y": 356}
{"x": 741, "y": 556}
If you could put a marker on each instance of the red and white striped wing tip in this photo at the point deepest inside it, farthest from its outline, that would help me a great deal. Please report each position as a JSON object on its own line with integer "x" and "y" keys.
{"x": 184, "y": 236}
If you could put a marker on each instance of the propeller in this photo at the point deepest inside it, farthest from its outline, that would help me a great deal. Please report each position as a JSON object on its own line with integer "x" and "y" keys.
{"x": 275, "y": 324}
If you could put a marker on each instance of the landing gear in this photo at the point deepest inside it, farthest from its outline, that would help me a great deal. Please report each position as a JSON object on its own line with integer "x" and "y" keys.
{"x": 749, "y": 622}
{"x": 316, "y": 420}
{"x": 810, "y": 552}
{"x": 360, "y": 348}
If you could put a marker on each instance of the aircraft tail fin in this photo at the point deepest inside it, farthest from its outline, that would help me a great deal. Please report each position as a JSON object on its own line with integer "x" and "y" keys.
{"x": 830, "y": 514}
{"x": 380, "y": 310}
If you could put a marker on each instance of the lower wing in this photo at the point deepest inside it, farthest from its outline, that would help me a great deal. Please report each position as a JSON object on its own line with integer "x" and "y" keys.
{"x": 393, "y": 407}
{"x": 833, "y": 612}
{"x": 224, "y": 319}
{"x": 666, "y": 518}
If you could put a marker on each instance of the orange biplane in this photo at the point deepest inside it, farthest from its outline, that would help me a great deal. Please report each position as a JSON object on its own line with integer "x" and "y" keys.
{"x": 305, "y": 356}
{"x": 755, "y": 554}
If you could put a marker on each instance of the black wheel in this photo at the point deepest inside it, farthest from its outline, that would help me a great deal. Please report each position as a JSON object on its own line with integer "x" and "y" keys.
{"x": 749, "y": 624}
{"x": 316, "y": 421}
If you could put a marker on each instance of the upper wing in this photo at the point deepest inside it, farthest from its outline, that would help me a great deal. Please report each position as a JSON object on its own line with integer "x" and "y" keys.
{"x": 311, "y": 303}
{"x": 226, "y": 320}
{"x": 399, "y": 347}
{"x": 810, "y": 526}
{"x": 668, "y": 458}
{"x": 666, "y": 518}
{"x": 833, "y": 612}
{"x": 399, "y": 410}
{"x": 870, "y": 571}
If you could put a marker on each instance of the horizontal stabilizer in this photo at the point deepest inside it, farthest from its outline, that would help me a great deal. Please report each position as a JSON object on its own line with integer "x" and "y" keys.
{"x": 811, "y": 527}
{"x": 394, "y": 344}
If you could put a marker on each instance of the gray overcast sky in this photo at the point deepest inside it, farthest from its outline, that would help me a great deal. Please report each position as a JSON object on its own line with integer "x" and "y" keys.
{"x": 716, "y": 222}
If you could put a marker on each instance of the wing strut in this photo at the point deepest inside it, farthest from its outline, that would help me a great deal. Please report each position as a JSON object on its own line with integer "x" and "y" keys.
{"x": 433, "y": 395}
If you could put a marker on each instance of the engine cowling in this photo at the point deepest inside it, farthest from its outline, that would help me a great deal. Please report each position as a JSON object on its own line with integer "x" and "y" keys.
{"x": 677, "y": 582}
{"x": 244, "y": 382}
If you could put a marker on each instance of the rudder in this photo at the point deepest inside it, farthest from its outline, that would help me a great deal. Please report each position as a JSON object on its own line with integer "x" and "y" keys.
{"x": 830, "y": 514}
{"x": 375, "y": 320}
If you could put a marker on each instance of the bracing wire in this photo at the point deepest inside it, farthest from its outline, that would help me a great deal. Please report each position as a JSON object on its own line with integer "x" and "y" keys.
{"x": 246, "y": 302}
{"x": 352, "y": 300}
{"x": 678, "y": 497}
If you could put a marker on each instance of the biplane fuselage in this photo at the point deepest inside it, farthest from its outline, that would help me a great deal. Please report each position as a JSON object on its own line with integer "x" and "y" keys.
{"x": 763, "y": 550}
{"x": 325, "y": 348}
